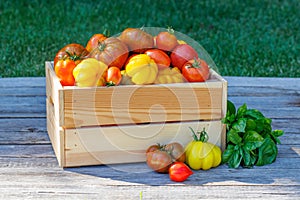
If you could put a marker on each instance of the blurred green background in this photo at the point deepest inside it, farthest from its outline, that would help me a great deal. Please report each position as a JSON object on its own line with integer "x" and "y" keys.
{"x": 243, "y": 37}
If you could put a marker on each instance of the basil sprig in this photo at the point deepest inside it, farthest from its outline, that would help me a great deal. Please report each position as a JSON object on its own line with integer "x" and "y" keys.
{"x": 250, "y": 138}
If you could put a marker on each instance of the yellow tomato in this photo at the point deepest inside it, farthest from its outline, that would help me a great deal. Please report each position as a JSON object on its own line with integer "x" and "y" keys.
{"x": 88, "y": 72}
{"x": 168, "y": 75}
{"x": 142, "y": 69}
{"x": 201, "y": 154}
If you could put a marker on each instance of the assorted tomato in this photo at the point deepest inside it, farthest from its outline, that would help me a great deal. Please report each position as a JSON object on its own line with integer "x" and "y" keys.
{"x": 137, "y": 57}
{"x": 142, "y": 58}
{"x": 195, "y": 70}
{"x": 179, "y": 172}
{"x": 64, "y": 71}
{"x": 181, "y": 54}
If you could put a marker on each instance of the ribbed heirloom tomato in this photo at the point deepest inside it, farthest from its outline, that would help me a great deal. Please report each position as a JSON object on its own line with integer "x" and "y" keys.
{"x": 74, "y": 51}
{"x": 111, "y": 51}
{"x": 94, "y": 41}
{"x": 137, "y": 40}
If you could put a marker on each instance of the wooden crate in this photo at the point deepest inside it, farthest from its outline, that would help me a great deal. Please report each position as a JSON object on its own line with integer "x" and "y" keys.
{"x": 108, "y": 125}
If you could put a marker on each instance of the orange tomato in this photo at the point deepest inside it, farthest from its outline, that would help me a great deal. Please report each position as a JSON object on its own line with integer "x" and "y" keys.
{"x": 113, "y": 76}
{"x": 64, "y": 71}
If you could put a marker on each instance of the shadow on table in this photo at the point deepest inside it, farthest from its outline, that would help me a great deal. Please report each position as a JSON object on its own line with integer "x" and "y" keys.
{"x": 139, "y": 173}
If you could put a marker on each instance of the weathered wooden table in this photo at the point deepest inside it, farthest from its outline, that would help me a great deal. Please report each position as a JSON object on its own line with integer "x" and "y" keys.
{"x": 29, "y": 169}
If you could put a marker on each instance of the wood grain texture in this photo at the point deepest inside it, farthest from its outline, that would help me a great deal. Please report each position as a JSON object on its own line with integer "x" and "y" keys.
{"x": 29, "y": 169}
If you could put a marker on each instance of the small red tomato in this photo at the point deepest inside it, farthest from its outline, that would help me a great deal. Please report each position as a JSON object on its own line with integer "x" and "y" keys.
{"x": 159, "y": 161}
{"x": 196, "y": 70}
{"x": 113, "y": 76}
{"x": 94, "y": 41}
{"x": 176, "y": 151}
{"x": 160, "y": 58}
{"x": 179, "y": 172}
{"x": 64, "y": 71}
{"x": 181, "y": 54}
{"x": 166, "y": 41}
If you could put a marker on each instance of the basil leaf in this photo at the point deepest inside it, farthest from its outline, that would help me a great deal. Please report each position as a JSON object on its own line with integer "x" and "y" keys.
{"x": 241, "y": 111}
{"x": 235, "y": 159}
{"x": 240, "y": 125}
{"x": 252, "y": 140}
{"x": 277, "y": 133}
{"x": 246, "y": 157}
{"x": 233, "y": 136}
{"x": 226, "y": 155}
{"x": 231, "y": 110}
{"x": 267, "y": 153}
{"x": 255, "y": 114}
{"x": 250, "y": 125}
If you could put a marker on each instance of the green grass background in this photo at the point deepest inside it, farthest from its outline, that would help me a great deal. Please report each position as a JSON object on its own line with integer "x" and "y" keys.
{"x": 243, "y": 37}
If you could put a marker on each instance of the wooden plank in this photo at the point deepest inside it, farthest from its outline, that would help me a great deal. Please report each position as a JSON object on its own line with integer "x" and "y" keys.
{"x": 118, "y": 144}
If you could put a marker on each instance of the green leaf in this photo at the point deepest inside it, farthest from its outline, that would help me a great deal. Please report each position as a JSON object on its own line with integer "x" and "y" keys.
{"x": 250, "y": 125}
{"x": 246, "y": 156}
{"x": 275, "y": 134}
{"x": 255, "y": 114}
{"x": 241, "y": 111}
{"x": 252, "y": 140}
{"x": 230, "y": 108}
{"x": 226, "y": 155}
{"x": 235, "y": 159}
{"x": 233, "y": 136}
{"x": 240, "y": 125}
{"x": 267, "y": 153}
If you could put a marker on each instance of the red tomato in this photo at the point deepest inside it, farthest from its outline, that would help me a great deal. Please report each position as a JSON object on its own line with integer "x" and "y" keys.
{"x": 111, "y": 51}
{"x": 196, "y": 70}
{"x": 64, "y": 71}
{"x": 159, "y": 160}
{"x": 113, "y": 76}
{"x": 166, "y": 41}
{"x": 179, "y": 172}
{"x": 74, "y": 51}
{"x": 137, "y": 40}
{"x": 181, "y": 54}
{"x": 160, "y": 58}
{"x": 94, "y": 41}
{"x": 176, "y": 151}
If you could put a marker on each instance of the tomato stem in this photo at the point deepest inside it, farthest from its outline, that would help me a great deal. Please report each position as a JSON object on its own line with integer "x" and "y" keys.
{"x": 203, "y": 136}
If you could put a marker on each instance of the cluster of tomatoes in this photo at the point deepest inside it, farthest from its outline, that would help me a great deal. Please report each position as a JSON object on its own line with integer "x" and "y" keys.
{"x": 134, "y": 57}
{"x": 178, "y": 161}
{"x": 170, "y": 159}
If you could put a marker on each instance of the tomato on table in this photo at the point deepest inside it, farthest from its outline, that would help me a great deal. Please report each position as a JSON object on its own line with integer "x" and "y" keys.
{"x": 179, "y": 172}
{"x": 159, "y": 160}
{"x": 195, "y": 70}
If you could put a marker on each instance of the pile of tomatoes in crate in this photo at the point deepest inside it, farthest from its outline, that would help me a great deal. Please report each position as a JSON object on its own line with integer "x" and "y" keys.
{"x": 133, "y": 57}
